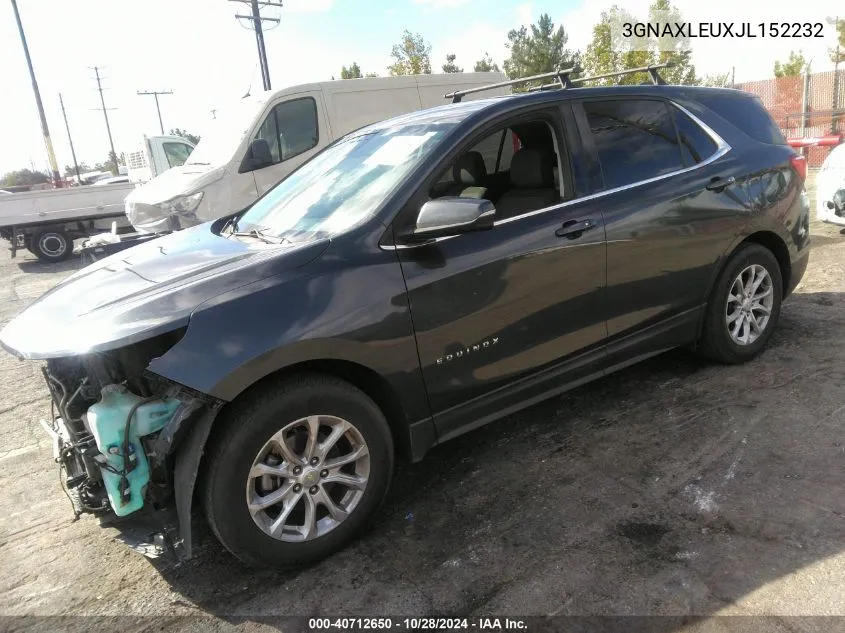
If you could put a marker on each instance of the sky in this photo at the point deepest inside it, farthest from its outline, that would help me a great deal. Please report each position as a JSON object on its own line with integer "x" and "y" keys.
{"x": 200, "y": 51}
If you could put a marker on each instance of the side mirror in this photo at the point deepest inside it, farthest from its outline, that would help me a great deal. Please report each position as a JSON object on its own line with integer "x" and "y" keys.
{"x": 451, "y": 216}
{"x": 257, "y": 157}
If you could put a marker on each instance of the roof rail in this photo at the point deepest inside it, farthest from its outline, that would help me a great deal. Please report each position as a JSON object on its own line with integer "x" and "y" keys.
{"x": 562, "y": 76}
{"x": 563, "y": 80}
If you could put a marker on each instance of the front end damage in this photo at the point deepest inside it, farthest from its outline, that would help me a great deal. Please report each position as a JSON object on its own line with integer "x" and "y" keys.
{"x": 129, "y": 442}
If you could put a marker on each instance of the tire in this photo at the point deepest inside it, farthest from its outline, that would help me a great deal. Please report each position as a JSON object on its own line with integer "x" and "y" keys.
{"x": 256, "y": 537}
{"x": 51, "y": 245}
{"x": 717, "y": 340}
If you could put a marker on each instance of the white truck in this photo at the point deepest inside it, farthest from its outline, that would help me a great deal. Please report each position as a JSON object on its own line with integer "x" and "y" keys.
{"x": 46, "y": 222}
{"x": 261, "y": 140}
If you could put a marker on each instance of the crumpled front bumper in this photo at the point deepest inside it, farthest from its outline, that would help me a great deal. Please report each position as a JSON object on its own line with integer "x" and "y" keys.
{"x": 150, "y": 218}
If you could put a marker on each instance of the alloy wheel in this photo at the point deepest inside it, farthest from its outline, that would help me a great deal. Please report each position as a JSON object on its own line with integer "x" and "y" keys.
{"x": 308, "y": 478}
{"x": 749, "y": 306}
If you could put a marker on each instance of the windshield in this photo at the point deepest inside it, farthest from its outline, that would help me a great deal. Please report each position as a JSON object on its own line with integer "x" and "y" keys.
{"x": 344, "y": 184}
{"x": 223, "y": 134}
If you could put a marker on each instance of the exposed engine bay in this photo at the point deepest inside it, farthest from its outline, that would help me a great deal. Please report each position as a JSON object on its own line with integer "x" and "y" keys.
{"x": 116, "y": 426}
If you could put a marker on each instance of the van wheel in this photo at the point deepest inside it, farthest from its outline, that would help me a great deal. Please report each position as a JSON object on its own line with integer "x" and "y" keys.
{"x": 744, "y": 307}
{"x": 296, "y": 471}
{"x": 51, "y": 245}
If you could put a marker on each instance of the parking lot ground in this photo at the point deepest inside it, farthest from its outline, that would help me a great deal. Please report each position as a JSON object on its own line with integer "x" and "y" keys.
{"x": 673, "y": 487}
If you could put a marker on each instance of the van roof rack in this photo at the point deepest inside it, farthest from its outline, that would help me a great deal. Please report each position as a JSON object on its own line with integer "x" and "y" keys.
{"x": 563, "y": 80}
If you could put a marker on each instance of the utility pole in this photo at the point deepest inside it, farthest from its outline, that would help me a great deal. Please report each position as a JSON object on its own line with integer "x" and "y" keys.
{"x": 256, "y": 19}
{"x": 113, "y": 155}
{"x": 156, "y": 93}
{"x": 70, "y": 140}
{"x": 45, "y": 131}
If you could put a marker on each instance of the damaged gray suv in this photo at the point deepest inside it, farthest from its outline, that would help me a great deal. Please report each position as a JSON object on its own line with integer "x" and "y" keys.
{"x": 416, "y": 279}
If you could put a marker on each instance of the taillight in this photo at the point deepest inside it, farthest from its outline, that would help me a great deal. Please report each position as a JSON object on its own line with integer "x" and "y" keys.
{"x": 800, "y": 164}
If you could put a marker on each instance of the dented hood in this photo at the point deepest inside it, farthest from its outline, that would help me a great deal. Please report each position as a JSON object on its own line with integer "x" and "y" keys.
{"x": 144, "y": 291}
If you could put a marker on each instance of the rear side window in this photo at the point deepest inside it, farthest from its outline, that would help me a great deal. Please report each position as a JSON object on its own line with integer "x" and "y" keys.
{"x": 696, "y": 144}
{"x": 746, "y": 113}
{"x": 635, "y": 140}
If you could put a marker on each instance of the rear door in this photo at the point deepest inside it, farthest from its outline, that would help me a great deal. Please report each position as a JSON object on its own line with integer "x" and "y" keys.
{"x": 667, "y": 223}
{"x": 295, "y": 129}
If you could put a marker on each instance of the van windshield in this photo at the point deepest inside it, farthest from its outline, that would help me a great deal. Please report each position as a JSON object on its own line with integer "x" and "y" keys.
{"x": 344, "y": 184}
{"x": 222, "y": 136}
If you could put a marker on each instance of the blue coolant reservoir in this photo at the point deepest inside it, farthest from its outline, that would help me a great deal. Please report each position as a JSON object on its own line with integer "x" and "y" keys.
{"x": 107, "y": 421}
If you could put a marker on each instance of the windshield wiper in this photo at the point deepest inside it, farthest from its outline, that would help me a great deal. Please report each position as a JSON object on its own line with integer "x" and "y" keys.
{"x": 196, "y": 163}
{"x": 262, "y": 235}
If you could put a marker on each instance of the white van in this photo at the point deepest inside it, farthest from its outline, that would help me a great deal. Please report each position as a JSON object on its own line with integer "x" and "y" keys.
{"x": 262, "y": 139}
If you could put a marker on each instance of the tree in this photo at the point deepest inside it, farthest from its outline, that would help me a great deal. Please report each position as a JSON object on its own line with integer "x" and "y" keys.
{"x": 486, "y": 65}
{"x": 675, "y": 51}
{"x": 193, "y": 138}
{"x": 22, "y": 177}
{"x": 791, "y": 68}
{"x": 450, "y": 66}
{"x": 353, "y": 72}
{"x": 717, "y": 80}
{"x": 70, "y": 170}
{"x": 540, "y": 50}
{"x": 837, "y": 54}
{"x": 412, "y": 56}
{"x": 609, "y": 52}
{"x": 606, "y": 54}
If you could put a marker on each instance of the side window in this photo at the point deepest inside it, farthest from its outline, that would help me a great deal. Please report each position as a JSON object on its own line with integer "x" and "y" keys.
{"x": 696, "y": 144}
{"x": 515, "y": 167}
{"x": 176, "y": 153}
{"x": 290, "y": 128}
{"x": 635, "y": 140}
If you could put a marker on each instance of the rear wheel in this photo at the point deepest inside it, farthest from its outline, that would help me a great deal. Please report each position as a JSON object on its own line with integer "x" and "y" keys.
{"x": 296, "y": 472}
{"x": 745, "y": 306}
{"x": 51, "y": 245}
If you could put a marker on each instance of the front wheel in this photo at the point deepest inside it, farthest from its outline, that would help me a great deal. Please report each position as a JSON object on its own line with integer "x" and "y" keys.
{"x": 297, "y": 471}
{"x": 744, "y": 307}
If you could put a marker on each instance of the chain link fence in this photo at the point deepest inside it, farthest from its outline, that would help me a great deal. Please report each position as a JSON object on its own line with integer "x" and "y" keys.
{"x": 805, "y": 106}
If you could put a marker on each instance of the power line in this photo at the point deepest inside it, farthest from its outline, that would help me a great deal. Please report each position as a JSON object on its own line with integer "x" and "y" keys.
{"x": 156, "y": 93}
{"x": 257, "y": 19}
{"x": 70, "y": 140}
{"x": 113, "y": 155}
{"x": 45, "y": 131}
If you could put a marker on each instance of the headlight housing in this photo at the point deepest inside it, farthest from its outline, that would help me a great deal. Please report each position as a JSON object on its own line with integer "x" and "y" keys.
{"x": 181, "y": 204}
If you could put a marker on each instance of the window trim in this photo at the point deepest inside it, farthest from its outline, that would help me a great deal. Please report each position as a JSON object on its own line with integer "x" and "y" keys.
{"x": 276, "y": 121}
{"x": 722, "y": 148}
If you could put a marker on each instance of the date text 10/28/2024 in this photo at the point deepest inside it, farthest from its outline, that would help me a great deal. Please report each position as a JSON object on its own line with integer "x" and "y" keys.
{"x": 417, "y": 624}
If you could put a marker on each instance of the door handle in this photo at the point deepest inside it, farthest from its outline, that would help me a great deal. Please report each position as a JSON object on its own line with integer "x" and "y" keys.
{"x": 574, "y": 228}
{"x": 718, "y": 184}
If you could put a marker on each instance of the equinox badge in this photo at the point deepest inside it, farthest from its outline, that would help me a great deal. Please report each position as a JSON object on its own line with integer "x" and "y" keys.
{"x": 466, "y": 351}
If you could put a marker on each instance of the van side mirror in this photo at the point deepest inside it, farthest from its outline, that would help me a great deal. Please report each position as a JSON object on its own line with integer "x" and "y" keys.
{"x": 257, "y": 157}
{"x": 451, "y": 216}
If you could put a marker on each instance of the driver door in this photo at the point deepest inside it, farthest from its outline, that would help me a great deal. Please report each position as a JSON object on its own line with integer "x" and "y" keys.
{"x": 500, "y": 314}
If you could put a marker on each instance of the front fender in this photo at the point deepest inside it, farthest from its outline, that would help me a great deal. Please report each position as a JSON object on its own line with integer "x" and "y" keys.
{"x": 358, "y": 314}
